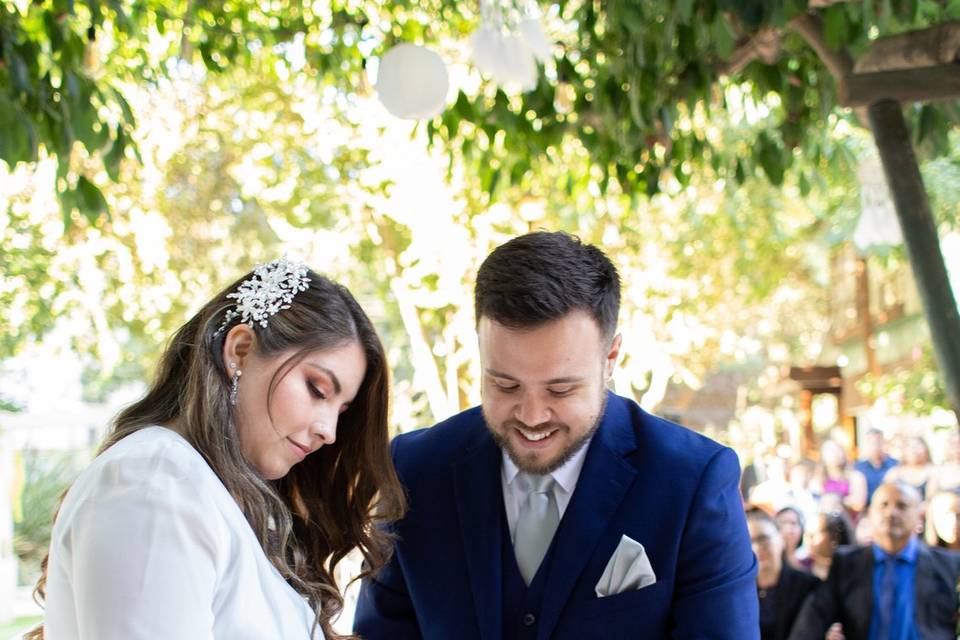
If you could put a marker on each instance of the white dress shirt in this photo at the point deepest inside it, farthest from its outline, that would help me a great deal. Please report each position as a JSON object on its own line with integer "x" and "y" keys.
{"x": 515, "y": 489}
{"x": 149, "y": 544}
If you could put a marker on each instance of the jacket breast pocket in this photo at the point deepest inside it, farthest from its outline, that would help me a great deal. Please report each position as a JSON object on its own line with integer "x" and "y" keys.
{"x": 652, "y": 598}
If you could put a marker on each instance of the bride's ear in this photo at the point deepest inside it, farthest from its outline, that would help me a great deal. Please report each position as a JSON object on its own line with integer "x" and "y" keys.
{"x": 238, "y": 345}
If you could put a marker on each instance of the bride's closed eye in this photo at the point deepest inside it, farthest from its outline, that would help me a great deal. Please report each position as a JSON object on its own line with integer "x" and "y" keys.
{"x": 315, "y": 391}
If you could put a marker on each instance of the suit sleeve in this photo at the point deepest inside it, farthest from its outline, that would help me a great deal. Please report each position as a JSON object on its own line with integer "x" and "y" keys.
{"x": 384, "y": 607}
{"x": 716, "y": 570}
{"x": 820, "y": 610}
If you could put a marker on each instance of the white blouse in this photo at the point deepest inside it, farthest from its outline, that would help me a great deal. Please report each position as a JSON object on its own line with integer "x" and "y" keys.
{"x": 150, "y": 545}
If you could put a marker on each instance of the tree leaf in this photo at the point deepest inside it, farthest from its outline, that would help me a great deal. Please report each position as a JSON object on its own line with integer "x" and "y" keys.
{"x": 112, "y": 159}
{"x": 90, "y": 200}
{"x": 835, "y": 26}
{"x": 683, "y": 10}
{"x": 723, "y": 38}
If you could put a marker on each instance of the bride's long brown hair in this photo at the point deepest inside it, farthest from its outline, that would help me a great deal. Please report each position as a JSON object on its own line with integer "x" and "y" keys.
{"x": 327, "y": 505}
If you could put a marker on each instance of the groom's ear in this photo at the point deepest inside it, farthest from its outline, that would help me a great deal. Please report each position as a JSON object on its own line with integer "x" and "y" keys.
{"x": 610, "y": 360}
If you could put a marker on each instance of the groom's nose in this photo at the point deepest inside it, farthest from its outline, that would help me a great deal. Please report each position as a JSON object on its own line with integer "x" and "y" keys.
{"x": 532, "y": 410}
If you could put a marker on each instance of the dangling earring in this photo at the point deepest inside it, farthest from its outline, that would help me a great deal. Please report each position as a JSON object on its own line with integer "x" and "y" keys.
{"x": 234, "y": 385}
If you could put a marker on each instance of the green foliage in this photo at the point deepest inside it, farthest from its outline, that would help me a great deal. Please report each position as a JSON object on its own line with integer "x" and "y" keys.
{"x": 52, "y": 97}
{"x": 28, "y": 290}
{"x": 942, "y": 178}
{"x": 619, "y": 80}
{"x": 917, "y": 389}
{"x": 628, "y": 71}
{"x": 46, "y": 476}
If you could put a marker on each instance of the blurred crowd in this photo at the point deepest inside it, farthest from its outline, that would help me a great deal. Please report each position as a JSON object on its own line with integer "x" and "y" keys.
{"x": 801, "y": 512}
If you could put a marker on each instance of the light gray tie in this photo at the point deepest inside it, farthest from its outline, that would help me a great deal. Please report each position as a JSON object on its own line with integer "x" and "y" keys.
{"x": 536, "y": 523}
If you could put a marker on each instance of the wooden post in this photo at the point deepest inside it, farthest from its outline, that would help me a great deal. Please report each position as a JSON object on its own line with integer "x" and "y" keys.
{"x": 808, "y": 441}
{"x": 864, "y": 318}
{"x": 920, "y": 237}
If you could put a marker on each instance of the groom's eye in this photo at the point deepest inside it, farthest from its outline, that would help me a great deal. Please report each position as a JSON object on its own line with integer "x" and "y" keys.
{"x": 506, "y": 388}
{"x": 560, "y": 393}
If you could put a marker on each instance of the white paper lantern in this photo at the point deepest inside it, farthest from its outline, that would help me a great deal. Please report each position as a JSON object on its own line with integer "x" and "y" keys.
{"x": 531, "y": 29}
{"x": 506, "y": 47}
{"x": 412, "y": 82}
{"x": 878, "y": 224}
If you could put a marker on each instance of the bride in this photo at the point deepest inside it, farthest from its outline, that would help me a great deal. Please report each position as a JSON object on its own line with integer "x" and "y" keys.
{"x": 222, "y": 501}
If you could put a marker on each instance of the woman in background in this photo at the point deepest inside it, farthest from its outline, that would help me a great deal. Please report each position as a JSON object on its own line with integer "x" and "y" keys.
{"x": 943, "y": 521}
{"x": 915, "y": 468}
{"x": 790, "y": 524}
{"x": 834, "y": 475}
{"x": 781, "y": 589}
{"x": 829, "y": 531}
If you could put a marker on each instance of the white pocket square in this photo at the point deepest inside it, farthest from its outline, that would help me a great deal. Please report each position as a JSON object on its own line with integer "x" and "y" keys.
{"x": 628, "y": 569}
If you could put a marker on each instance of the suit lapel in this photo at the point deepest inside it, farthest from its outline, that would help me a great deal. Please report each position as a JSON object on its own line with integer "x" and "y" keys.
{"x": 859, "y": 599}
{"x": 603, "y": 483}
{"x": 479, "y": 503}
{"x": 928, "y": 579}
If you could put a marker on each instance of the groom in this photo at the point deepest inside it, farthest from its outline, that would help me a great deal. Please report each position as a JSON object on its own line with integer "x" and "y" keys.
{"x": 558, "y": 509}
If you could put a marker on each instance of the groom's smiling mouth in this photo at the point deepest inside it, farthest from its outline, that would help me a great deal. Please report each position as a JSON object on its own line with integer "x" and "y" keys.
{"x": 536, "y": 437}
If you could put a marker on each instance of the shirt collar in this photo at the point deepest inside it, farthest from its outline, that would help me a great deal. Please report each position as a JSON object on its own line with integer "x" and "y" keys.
{"x": 908, "y": 554}
{"x": 566, "y": 476}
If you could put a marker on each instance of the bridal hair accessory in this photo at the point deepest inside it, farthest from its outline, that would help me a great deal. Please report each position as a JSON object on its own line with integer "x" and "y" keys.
{"x": 270, "y": 290}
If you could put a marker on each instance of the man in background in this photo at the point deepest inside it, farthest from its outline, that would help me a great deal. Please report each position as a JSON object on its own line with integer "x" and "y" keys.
{"x": 875, "y": 462}
{"x": 894, "y": 589}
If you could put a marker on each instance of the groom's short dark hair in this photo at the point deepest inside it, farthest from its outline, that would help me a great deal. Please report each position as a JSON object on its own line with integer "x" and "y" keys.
{"x": 543, "y": 276}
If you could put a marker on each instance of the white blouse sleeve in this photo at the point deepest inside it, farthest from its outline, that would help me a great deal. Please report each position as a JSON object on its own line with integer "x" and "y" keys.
{"x": 143, "y": 549}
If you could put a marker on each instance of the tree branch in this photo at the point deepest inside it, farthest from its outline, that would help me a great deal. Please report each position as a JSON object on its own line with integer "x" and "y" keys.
{"x": 838, "y": 63}
{"x": 765, "y": 45}
{"x": 810, "y": 28}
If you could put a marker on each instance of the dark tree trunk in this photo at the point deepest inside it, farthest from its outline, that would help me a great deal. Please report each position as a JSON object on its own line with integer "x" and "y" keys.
{"x": 920, "y": 236}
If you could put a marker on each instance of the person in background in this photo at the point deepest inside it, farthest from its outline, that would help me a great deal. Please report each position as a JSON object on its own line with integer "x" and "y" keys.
{"x": 875, "y": 462}
{"x": 781, "y": 589}
{"x": 862, "y": 532}
{"x": 943, "y": 521}
{"x": 829, "y": 531}
{"x": 790, "y": 523}
{"x": 834, "y": 475}
{"x": 770, "y": 493}
{"x": 894, "y": 589}
{"x": 915, "y": 468}
{"x": 754, "y": 470}
{"x": 946, "y": 476}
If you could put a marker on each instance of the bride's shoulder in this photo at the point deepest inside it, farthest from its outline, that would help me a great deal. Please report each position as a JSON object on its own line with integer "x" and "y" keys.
{"x": 152, "y": 456}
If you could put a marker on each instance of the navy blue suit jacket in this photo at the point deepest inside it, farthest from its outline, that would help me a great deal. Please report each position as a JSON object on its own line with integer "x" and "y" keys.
{"x": 670, "y": 489}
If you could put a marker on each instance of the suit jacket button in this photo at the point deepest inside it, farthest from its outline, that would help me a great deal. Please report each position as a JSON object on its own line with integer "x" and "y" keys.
{"x": 529, "y": 619}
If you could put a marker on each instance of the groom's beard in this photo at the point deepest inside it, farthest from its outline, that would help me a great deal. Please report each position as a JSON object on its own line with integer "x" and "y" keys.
{"x": 528, "y": 462}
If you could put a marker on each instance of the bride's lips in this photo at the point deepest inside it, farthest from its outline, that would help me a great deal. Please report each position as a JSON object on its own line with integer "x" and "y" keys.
{"x": 299, "y": 449}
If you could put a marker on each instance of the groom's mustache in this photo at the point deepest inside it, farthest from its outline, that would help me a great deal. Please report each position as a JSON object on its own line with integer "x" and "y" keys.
{"x": 543, "y": 426}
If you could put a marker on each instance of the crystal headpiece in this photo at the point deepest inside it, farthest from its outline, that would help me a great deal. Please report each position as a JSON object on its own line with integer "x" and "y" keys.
{"x": 270, "y": 289}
